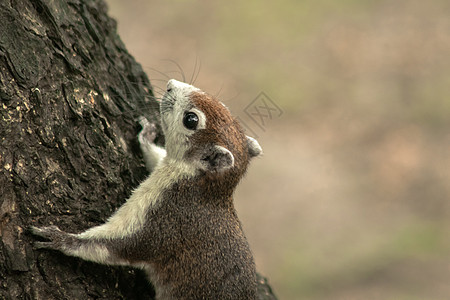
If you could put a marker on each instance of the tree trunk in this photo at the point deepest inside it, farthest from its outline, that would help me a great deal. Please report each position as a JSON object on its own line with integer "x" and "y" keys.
{"x": 70, "y": 96}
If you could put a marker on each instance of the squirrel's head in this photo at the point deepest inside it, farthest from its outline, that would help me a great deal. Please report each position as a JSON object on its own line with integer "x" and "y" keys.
{"x": 200, "y": 130}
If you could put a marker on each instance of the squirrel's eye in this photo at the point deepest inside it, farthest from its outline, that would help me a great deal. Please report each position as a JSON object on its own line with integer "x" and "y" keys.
{"x": 190, "y": 120}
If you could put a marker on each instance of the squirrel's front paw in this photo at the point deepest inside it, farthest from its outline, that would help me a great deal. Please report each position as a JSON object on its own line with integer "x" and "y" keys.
{"x": 57, "y": 238}
{"x": 148, "y": 132}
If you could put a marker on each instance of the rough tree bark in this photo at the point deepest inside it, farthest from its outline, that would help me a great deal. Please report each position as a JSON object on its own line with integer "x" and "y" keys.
{"x": 70, "y": 97}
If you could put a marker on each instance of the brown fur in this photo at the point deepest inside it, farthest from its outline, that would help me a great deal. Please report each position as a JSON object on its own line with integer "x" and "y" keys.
{"x": 199, "y": 249}
{"x": 223, "y": 130}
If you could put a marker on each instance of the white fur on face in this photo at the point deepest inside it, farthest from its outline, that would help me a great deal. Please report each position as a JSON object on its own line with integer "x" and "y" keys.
{"x": 174, "y": 105}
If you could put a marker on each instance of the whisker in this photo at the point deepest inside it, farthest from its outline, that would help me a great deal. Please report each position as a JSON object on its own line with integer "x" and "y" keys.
{"x": 220, "y": 90}
{"x": 198, "y": 72}
{"x": 157, "y": 71}
{"x": 234, "y": 97}
{"x": 160, "y": 90}
{"x": 193, "y": 72}
{"x": 154, "y": 79}
{"x": 179, "y": 68}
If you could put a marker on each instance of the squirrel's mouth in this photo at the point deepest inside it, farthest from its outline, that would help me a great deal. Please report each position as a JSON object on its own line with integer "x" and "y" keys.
{"x": 166, "y": 104}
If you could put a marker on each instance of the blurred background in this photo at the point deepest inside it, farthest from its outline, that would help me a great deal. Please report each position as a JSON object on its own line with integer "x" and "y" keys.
{"x": 351, "y": 197}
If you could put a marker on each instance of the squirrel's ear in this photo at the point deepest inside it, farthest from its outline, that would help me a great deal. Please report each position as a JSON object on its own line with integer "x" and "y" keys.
{"x": 254, "y": 149}
{"x": 217, "y": 158}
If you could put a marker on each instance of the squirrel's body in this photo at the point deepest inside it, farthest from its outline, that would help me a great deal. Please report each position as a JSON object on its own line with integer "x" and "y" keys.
{"x": 180, "y": 224}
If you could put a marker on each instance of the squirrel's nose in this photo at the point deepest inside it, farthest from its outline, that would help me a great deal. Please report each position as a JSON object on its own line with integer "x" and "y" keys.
{"x": 175, "y": 84}
{"x": 171, "y": 84}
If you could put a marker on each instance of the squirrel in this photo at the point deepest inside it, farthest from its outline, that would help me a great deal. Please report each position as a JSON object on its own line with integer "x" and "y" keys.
{"x": 180, "y": 224}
